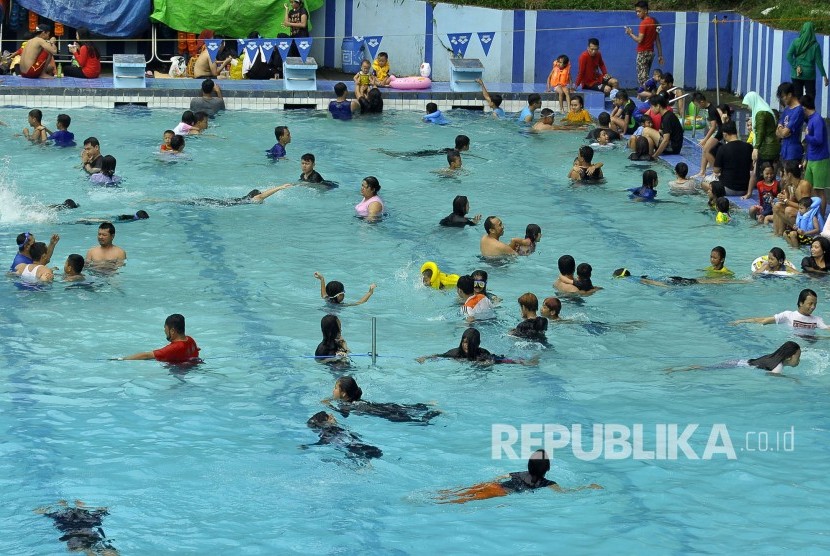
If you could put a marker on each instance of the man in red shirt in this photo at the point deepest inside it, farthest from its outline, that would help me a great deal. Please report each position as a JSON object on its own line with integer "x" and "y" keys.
{"x": 181, "y": 348}
{"x": 592, "y": 72}
{"x": 646, "y": 39}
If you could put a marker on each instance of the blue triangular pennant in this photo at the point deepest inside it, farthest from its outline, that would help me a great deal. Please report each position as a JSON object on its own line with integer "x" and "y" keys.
{"x": 252, "y": 48}
{"x": 459, "y": 42}
{"x": 213, "y": 46}
{"x": 486, "y": 41}
{"x": 268, "y": 46}
{"x": 240, "y": 46}
{"x": 283, "y": 46}
{"x": 372, "y": 45}
{"x": 358, "y": 39}
{"x": 304, "y": 46}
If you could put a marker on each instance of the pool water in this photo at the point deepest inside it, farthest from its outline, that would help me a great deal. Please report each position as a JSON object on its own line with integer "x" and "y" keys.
{"x": 211, "y": 461}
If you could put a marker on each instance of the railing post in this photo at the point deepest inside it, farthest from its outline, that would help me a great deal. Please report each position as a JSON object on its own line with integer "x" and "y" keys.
{"x": 717, "y": 62}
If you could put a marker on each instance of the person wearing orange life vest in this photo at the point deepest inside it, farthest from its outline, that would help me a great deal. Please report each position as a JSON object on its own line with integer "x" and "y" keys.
{"x": 475, "y": 306}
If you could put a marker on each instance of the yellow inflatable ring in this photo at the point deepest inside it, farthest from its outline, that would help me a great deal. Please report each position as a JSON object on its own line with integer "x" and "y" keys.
{"x": 439, "y": 280}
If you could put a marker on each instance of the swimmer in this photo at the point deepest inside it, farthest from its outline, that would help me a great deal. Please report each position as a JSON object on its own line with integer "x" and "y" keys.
{"x": 458, "y": 218}
{"x": 334, "y": 292}
{"x": 603, "y": 124}
{"x": 36, "y": 271}
{"x": 715, "y": 273}
{"x": 521, "y": 481}
{"x": 776, "y": 262}
{"x": 527, "y": 244}
{"x": 454, "y": 160}
{"x": 283, "y": 136}
{"x": 138, "y": 215}
{"x": 545, "y": 122}
{"x": 603, "y": 141}
{"x": 490, "y": 244}
{"x": 577, "y": 116}
{"x": 681, "y": 184}
{"x": 181, "y": 349}
{"x": 371, "y": 207}
{"x": 177, "y": 144}
{"x": 201, "y": 125}
{"x": 81, "y": 527}
{"x": 344, "y": 440}
{"x": 583, "y": 282}
{"x": 722, "y": 206}
{"x": 186, "y": 126}
{"x": 470, "y": 350}
{"x": 474, "y": 306}
{"x": 73, "y": 267}
{"x": 788, "y": 355}
{"x": 39, "y": 134}
{"x": 333, "y": 348}
{"x": 434, "y": 116}
{"x": 106, "y": 177}
{"x": 551, "y": 307}
{"x": 308, "y": 173}
{"x": 802, "y": 321}
{"x": 165, "y": 142}
{"x": 462, "y": 144}
{"x": 532, "y": 327}
{"x": 480, "y": 286}
{"x": 255, "y": 196}
{"x": 493, "y": 101}
{"x": 565, "y": 281}
{"x": 647, "y": 192}
{"x": 431, "y": 276}
{"x": 640, "y": 150}
{"x": 106, "y": 251}
{"x": 67, "y": 204}
{"x": 63, "y": 137}
{"x": 583, "y": 169}
{"x": 349, "y": 397}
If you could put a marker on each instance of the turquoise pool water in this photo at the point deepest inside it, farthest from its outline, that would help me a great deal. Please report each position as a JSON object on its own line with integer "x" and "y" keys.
{"x": 209, "y": 461}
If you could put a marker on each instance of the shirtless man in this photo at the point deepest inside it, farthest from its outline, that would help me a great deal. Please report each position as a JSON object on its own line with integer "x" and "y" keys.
{"x": 36, "y": 59}
{"x": 491, "y": 246}
{"x": 205, "y": 68}
{"x": 106, "y": 250}
{"x": 565, "y": 282}
{"x": 793, "y": 189}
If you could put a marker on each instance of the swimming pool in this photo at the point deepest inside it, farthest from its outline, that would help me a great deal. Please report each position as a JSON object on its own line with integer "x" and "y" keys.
{"x": 209, "y": 461}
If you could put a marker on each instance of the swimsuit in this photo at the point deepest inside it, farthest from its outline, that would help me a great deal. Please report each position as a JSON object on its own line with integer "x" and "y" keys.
{"x": 37, "y": 66}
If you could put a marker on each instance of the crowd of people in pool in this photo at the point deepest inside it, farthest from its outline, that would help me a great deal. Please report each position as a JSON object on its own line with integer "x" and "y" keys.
{"x": 790, "y": 181}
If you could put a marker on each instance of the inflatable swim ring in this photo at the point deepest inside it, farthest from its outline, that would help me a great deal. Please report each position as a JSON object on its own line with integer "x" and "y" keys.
{"x": 693, "y": 123}
{"x": 410, "y": 83}
{"x": 439, "y": 280}
{"x": 756, "y": 264}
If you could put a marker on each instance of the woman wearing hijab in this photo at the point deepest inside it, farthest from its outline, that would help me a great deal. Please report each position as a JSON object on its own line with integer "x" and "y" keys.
{"x": 804, "y": 55}
{"x": 766, "y": 145}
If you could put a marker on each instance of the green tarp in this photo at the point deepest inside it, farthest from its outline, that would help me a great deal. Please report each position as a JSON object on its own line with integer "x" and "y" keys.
{"x": 227, "y": 18}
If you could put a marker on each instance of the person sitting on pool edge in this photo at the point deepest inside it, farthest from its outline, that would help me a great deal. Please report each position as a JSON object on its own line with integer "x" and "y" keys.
{"x": 181, "y": 349}
{"x": 334, "y": 292}
{"x": 490, "y": 244}
{"x": 458, "y": 218}
{"x": 475, "y": 306}
{"x": 521, "y": 481}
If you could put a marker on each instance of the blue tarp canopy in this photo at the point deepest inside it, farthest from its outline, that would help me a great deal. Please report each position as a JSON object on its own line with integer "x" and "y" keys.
{"x": 110, "y": 18}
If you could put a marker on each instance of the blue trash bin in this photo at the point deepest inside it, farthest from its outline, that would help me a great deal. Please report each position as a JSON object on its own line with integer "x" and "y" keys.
{"x": 352, "y": 55}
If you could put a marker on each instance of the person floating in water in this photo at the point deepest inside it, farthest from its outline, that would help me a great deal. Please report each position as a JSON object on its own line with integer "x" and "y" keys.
{"x": 334, "y": 292}
{"x": 521, "y": 481}
{"x": 342, "y": 439}
{"x": 81, "y": 527}
{"x": 787, "y": 355}
{"x": 254, "y": 196}
{"x": 124, "y": 218}
{"x": 470, "y": 350}
{"x": 349, "y": 396}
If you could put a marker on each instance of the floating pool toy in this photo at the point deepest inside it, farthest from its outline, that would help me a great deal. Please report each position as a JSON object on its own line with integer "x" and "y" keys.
{"x": 757, "y": 263}
{"x": 410, "y": 83}
{"x": 693, "y": 120}
{"x": 439, "y": 280}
